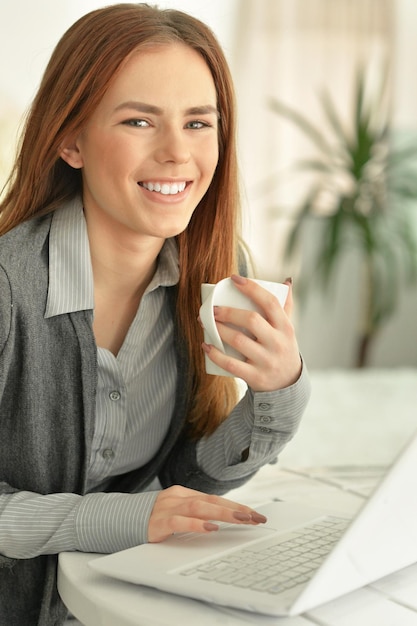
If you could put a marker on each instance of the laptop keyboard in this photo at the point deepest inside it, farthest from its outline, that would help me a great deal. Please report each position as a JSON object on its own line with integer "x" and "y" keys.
{"x": 277, "y": 563}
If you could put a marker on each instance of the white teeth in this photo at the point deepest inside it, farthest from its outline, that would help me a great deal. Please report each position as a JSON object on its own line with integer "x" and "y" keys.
{"x": 167, "y": 189}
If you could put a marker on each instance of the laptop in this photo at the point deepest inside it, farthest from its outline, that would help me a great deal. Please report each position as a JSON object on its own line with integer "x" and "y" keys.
{"x": 303, "y": 557}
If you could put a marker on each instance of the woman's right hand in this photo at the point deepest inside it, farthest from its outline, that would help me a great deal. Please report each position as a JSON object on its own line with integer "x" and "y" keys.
{"x": 179, "y": 509}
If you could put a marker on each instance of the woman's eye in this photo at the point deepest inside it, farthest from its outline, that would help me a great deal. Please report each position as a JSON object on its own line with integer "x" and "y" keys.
{"x": 197, "y": 125}
{"x": 136, "y": 123}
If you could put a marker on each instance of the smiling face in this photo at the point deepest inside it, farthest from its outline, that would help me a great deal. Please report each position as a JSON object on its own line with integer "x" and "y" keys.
{"x": 149, "y": 151}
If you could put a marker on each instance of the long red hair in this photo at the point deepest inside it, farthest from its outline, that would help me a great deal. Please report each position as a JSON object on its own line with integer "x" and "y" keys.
{"x": 80, "y": 71}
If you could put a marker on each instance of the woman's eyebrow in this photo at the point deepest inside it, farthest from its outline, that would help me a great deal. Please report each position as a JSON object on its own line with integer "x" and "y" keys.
{"x": 206, "y": 109}
{"x": 144, "y": 107}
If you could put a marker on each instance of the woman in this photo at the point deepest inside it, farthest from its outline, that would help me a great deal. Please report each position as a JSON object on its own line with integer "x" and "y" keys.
{"x": 123, "y": 200}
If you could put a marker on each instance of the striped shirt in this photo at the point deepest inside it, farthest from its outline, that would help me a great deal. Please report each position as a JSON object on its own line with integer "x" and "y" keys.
{"x": 133, "y": 389}
{"x": 139, "y": 383}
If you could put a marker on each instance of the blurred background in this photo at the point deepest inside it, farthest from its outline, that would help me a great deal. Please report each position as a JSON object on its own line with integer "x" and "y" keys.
{"x": 327, "y": 102}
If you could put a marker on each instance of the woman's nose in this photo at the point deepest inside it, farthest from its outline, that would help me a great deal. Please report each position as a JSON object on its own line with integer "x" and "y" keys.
{"x": 172, "y": 147}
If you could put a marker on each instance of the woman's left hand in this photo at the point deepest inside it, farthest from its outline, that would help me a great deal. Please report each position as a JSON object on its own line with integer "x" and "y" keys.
{"x": 271, "y": 351}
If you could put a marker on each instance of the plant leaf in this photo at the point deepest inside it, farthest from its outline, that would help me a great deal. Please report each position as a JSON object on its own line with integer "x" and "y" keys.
{"x": 296, "y": 232}
{"x": 335, "y": 122}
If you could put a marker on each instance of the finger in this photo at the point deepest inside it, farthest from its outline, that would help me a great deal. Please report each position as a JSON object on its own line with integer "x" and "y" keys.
{"x": 235, "y": 367}
{"x": 211, "y": 507}
{"x": 266, "y": 302}
{"x": 289, "y": 302}
{"x": 196, "y": 513}
{"x": 178, "y": 491}
{"x": 183, "y": 496}
{"x": 256, "y": 339}
{"x": 206, "y": 509}
{"x": 205, "y": 522}
{"x": 274, "y": 365}
{"x": 253, "y": 351}
{"x": 161, "y": 529}
{"x": 246, "y": 331}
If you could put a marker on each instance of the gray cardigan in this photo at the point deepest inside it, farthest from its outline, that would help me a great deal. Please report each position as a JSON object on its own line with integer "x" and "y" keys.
{"x": 48, "y": 374}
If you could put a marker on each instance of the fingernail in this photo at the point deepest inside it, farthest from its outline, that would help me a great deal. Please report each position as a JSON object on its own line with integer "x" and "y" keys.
{"x": 288, "y": 280}
{"x": 258, "y": 518}
{"x": 206, "y": 347}
{"x": 216, "y": 310}
{"x": 210, "y": 527}
{"x": 242, "y": 517}
{"x": 239, "y": 280}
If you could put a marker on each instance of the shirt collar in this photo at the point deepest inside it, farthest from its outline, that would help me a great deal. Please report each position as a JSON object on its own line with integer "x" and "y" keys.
{"x": 167, "y": 272}
{"x": 71, "y": 286}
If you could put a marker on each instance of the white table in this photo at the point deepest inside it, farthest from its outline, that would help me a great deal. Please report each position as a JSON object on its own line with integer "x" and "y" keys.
{"x": 355, "y": 424}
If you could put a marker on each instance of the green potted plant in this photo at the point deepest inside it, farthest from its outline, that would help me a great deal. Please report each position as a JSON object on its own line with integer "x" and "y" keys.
{"x": 369, "y": 186}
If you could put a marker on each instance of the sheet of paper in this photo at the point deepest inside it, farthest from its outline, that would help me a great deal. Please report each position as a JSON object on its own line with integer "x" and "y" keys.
{"x": 365, "y": 607}
{"x": 400, "y": 586}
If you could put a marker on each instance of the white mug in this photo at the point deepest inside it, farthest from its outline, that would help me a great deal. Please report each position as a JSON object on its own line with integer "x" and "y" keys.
{"x": 225, "y": 293}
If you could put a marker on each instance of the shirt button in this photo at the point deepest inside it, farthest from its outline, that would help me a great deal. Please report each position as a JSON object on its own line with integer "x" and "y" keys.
{"x": 264, "y": 406}
{"x": 264, "y": 430}
{"x": 107, "y": 454}
{"x": 265, "y": 419}
{"x": 114, "y": 395}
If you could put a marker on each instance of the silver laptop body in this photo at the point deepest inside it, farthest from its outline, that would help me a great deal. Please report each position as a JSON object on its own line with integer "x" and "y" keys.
{"x": 335, "y": 557}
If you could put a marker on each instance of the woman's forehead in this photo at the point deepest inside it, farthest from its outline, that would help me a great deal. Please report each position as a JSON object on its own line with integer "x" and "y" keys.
{"x": 171, "y": 75}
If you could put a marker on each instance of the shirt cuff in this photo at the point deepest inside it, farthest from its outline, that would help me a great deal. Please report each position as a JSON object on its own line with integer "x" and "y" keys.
{"x": 109, "y": 522}
{"x": 262, "y": 423}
